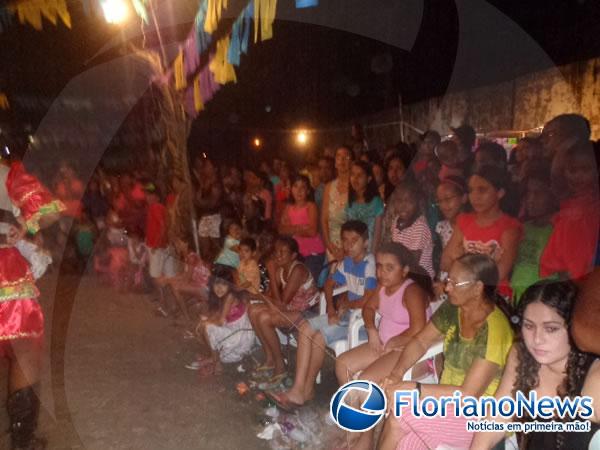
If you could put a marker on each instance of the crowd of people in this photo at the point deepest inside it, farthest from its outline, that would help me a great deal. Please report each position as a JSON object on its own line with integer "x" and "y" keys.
{"x": 456, "y": 239}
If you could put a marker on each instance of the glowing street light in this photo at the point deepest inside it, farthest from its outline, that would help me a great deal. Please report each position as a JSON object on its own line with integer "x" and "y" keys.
{"x": 302, "y": 137}
{"x": 115, "y": 11}
{"x": 256, "y": 142}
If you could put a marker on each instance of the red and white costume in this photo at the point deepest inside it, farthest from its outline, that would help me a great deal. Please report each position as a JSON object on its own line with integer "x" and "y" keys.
{"x": 20, "y": 314}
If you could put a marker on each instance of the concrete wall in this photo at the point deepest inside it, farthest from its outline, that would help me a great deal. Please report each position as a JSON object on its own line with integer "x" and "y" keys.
{"x": 522, "y": 104}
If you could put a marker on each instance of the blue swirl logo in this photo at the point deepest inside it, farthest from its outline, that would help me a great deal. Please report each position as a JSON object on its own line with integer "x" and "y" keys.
{"x": 371, "y": 411}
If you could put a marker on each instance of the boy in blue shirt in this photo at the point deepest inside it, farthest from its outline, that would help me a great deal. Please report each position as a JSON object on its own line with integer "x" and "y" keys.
{"x": 356, "y": 272}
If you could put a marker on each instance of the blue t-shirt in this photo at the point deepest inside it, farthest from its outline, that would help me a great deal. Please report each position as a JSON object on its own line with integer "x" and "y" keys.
{"x": 366, "y": 213}
{"x": 356, "y": 276}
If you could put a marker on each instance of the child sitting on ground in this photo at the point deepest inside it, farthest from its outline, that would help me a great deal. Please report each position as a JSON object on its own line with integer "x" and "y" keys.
{"x": 248, "y": 271}
{"x": 226, "y": 330}
{"x": 192, "y": 282}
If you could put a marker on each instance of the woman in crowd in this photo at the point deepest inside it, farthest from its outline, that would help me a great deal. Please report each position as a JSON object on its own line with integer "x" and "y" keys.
{"x": 364, "y": 203}
{"x": 477, "y": 339}
{"x": 209, "y": 196}
{"x": 545, "y": 360}
{"x": 298, "y": 293}
{"x": 335, "y": 199}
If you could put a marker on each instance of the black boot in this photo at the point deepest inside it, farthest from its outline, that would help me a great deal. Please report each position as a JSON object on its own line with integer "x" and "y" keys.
{"x": 23, "y": 410}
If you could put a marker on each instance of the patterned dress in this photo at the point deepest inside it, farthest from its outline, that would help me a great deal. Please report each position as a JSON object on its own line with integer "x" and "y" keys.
{"x": 20, "y": 314}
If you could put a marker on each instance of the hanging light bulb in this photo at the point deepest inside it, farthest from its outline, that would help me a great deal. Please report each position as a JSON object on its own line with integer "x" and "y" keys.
{"x": 115, "y": 11}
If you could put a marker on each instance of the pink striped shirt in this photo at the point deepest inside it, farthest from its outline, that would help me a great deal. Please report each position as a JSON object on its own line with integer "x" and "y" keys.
{"x": 417, "y": 237}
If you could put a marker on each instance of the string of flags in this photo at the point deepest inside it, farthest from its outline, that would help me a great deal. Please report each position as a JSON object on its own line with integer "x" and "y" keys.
{"x": 206, "y": 80}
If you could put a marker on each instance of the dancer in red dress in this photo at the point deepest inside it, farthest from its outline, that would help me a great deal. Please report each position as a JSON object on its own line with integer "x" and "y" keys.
{"x": 21, "y": 317}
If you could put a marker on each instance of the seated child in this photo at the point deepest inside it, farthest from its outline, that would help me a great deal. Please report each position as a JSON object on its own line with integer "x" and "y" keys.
{"x": 248, "y": 271}
{"x": 192, "y": 282}
{"x": 357, "y": 274}
{"x": 226, "y": 330}
{"x": 229, "y": 254}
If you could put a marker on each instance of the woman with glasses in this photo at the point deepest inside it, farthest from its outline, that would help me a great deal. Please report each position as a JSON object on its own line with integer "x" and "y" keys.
{"x": 477, "y": 338}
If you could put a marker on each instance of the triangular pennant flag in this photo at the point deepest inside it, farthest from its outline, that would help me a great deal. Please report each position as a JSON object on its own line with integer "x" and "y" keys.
{"x": 180, "y": 79}
{"x": 219, "y": 66}
{"x": 198, "y": 103}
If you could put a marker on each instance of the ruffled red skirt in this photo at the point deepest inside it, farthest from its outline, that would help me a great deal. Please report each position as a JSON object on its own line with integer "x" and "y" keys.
{"x": 20, "y": 314}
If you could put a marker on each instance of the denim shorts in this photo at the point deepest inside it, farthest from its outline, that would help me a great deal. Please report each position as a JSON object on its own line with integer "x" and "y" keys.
{"x": 337, "y": 332}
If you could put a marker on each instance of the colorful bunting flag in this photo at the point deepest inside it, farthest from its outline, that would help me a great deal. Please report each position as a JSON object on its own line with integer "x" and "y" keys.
{"x": 180, "y": 78}
{"x": 219, "y": 65}
{"x": 264, "y": 15}
{"x": 31, "y": 12}
{"x": 198, "y": 103}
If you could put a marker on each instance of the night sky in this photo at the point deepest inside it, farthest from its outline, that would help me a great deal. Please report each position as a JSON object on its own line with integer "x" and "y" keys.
{"x": 319, "y": 76}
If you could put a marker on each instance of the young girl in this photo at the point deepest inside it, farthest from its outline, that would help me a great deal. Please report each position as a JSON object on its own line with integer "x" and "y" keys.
{"x": 364, "y": 203}
{"x": 192, "y": 282}
{"x": 545, "y": 360}
{"x": 403, "y": 303}
{"x": 540, "y": 204}
{"x": 111, "y": 263}
{"x": 298, "y": 292}
{"x": 451, "y": 196}
{"x": 409, "y": 227}
{"x": 229, "y": 254}
{"x": 300, "y": 220}
{"x": 572, "y": 245}
{"x": 248, "y": 271}
{"x": 487, "y": 229}
{"x": 138, "y": 258}
{"x": 226, "y": 331}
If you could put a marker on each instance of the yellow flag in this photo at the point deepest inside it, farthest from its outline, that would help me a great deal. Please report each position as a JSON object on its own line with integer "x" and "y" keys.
{"x": 264, "y": 16}
{"x": 180, "y": 80}
{"x": 219, "y": 65}
{"x": 31, "y": 12}
{"x": 198, "y": 103}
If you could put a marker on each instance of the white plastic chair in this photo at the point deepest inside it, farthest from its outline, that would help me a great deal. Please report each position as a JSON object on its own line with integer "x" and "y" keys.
{"x": 290, "y": 339}
{"x": 431, "y": 353}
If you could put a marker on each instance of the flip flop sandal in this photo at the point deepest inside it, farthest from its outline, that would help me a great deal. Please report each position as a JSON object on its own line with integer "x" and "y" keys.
{"x": 282, "y": 402}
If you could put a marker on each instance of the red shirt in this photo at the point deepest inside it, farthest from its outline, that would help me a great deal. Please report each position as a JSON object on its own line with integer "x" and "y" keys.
{"x": 572, "y": 244}
{"x": 156, "y": 226}
{"x": 486, "y": 240}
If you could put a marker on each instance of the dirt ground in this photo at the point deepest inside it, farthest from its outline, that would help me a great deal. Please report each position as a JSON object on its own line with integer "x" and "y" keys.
{"x": 113, "y": 378}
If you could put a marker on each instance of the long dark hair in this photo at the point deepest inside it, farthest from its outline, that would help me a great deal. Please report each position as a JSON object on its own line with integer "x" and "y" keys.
{"x": 407, "y": 258}
{"x": 371, "y": 190}
{"x": 220, "y": 274}
{"x": 560, "y": 296}
{"x": 310, "y": 192}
